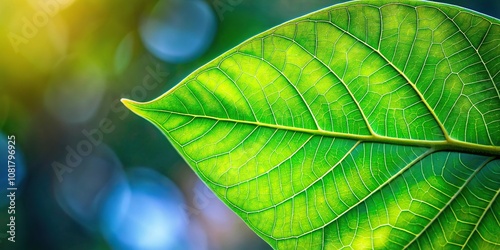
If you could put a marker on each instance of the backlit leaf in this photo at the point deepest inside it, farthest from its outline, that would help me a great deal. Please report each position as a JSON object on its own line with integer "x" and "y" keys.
{"x": 369, "y": 124}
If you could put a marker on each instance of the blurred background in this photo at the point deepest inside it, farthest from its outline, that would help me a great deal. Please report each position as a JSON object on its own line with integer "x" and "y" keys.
{"x": 90, "y": 174}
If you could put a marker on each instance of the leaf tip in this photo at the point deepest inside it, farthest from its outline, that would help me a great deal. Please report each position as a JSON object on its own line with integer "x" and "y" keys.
{"x": 131, "y": 105}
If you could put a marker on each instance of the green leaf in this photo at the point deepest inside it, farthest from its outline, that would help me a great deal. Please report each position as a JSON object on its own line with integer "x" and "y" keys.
{"x": 369, "y": 124}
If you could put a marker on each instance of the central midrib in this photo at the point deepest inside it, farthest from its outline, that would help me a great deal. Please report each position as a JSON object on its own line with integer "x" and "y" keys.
{"x": 438, "y": 145}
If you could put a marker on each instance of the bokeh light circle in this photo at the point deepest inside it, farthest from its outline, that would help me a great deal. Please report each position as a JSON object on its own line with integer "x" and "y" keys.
{"x": 74, "y": 95}
{"x": 82, "y": 192}
{"x": 123, "y": 53}
{"x": 178, "y": 31}
{"x": 147, "y": 214}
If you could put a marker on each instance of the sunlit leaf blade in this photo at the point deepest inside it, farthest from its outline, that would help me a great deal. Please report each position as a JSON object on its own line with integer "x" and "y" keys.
{"x": 367, "y": 125}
